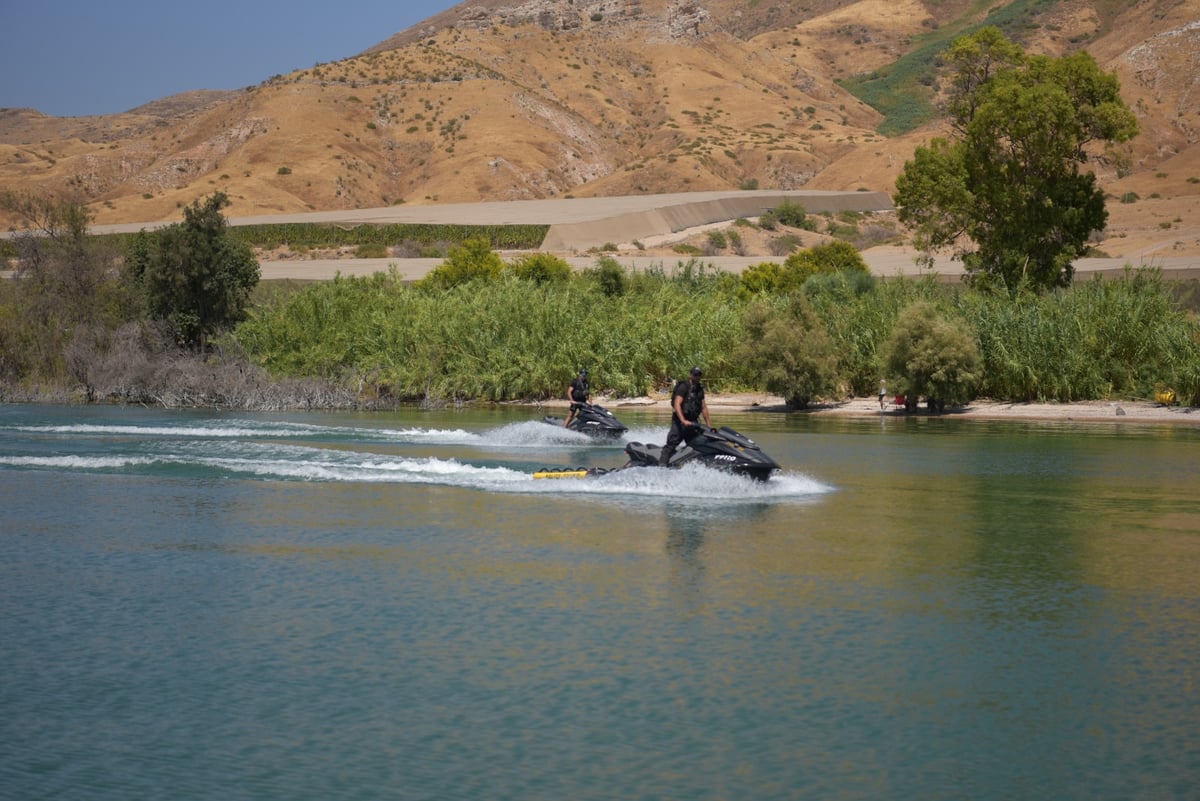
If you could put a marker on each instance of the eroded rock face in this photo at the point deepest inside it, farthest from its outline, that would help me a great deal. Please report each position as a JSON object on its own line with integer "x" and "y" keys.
{"x": 685, "y": 18}
{"x": 1167, "y": 66}
{"x": 682, "y": 17}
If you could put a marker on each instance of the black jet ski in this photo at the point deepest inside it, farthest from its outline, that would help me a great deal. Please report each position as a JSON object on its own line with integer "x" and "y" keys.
{"x": 719, "y": 448}
{"x": 593, "y": 420}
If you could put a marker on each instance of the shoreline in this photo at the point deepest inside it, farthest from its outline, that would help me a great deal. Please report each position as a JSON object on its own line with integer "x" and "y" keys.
{"x": 1143, "y": 412}
{"x": 1105, "y": 411}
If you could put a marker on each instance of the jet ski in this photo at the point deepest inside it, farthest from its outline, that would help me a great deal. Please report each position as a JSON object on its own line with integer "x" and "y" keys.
{"x": 718, "y": 448}
{"x": 593, "y": 420}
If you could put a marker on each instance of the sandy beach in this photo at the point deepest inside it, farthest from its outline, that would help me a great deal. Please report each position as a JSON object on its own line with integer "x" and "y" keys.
{"x": 1106, "y": 411}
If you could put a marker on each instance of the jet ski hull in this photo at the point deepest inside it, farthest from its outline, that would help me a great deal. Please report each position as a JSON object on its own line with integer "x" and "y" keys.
{"x": 595, "y": 421}
{"x": 720, "y": 449}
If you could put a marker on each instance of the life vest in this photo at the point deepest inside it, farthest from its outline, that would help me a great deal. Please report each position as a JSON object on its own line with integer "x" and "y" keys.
{"x": 693, "y": 400}
{"x": 580, "y": 390}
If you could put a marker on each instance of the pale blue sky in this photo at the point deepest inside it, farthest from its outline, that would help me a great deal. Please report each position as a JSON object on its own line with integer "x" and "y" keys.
{"x": 106, "y": 56}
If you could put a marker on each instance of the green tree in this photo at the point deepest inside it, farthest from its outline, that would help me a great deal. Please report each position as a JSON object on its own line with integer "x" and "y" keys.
{"x": 194, "y": 274}
{"x": 473, "y": 260}
{"x": 542, "y": 268}
{"x": 762, "y": 278}
{"x": 65, "y": 292}
{"x": 610, "y": 276}
{"x": 932, "y": 355}
{"x": 1009, "y": 181}
{"x": 57, "y": 257}
{"x": 833, "y": 257}
{"x": 791, "y": 351}
{"x": 973, "y": 61}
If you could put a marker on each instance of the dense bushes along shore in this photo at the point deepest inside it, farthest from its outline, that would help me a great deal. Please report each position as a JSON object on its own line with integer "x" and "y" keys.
{"x": 75, "y": 324}
{"x": 505, "y": 337}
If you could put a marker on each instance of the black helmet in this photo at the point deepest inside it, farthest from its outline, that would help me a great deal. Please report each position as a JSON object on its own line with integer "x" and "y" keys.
{"x": 697, "y": 372}
{"x": 583, "y": 371}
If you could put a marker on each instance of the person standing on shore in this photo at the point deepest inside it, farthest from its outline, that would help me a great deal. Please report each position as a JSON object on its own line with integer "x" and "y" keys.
{"x": 578, "y": 392}
{"x": 687, "y": 407}
{"x": 882, "y": 393}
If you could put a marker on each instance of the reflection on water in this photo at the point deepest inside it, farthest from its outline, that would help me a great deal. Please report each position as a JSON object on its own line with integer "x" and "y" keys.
{"x": 200, "y": 605}
{"x": 686, "y": 537}
{"x": 685, "y": 547}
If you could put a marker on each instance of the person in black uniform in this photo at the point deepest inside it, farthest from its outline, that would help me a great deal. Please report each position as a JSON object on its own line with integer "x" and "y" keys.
{"x": 687, "y": 407}
{"x": 578, "y": 391}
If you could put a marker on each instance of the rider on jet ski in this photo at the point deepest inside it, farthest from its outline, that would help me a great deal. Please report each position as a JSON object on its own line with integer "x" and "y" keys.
{"x": 687, "y": 406}
{"x": 578, "y": 392}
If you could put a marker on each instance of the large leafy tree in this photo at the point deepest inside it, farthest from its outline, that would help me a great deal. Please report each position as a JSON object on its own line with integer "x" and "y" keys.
{"x": 194, "y": 274}
{"x": 1007, "y": 190}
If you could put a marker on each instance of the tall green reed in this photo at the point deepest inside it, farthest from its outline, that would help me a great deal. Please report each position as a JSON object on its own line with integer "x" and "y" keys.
{"x": 495, "y": 340}
{"x": 516, "y": 339}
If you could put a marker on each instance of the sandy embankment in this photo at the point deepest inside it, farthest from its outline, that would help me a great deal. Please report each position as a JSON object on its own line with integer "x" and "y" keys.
{"x": 1120, "y": 412}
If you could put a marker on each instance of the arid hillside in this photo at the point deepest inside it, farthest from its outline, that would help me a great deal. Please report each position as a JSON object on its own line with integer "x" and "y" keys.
{"x": 500, "y": 100}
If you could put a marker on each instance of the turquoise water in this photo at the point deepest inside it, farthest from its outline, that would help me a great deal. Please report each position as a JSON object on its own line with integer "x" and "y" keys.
{"x": 196, "y": 605}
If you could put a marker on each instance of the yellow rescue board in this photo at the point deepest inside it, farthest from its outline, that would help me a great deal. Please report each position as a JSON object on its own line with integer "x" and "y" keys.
{"x": 560, "y": 474}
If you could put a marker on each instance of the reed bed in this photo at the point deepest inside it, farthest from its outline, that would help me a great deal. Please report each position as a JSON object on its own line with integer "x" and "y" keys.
{"x": 509, "y": 338}
{"x": 493, "y": 340}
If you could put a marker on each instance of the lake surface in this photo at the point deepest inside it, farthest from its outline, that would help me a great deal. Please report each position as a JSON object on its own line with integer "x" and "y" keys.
{"x": 201, "y": 605}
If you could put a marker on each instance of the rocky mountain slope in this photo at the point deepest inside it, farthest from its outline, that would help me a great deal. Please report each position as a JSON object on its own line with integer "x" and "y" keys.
{"x": 496, "y": 100}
